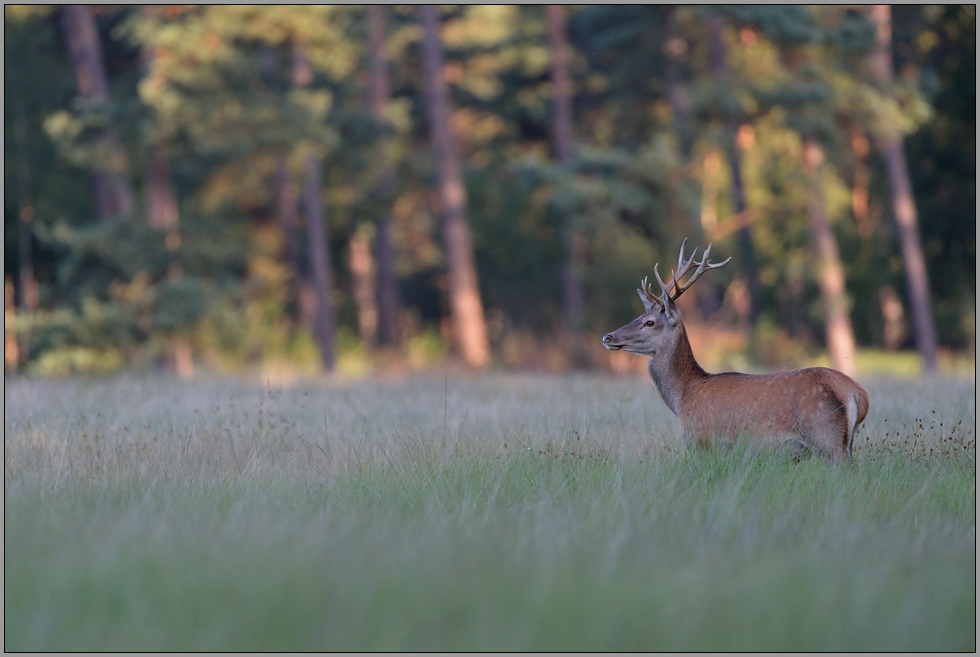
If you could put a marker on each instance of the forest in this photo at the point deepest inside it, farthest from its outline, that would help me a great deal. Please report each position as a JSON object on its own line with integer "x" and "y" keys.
{"x": 380, "y": 189}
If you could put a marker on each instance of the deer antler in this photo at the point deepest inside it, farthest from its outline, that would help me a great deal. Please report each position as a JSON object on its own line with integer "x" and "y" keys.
{"x": 647, "y": 291}
{"x": 682, "y": 268}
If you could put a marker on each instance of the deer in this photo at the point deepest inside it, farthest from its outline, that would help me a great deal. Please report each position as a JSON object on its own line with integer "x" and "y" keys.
{"x": 816, "y": 409}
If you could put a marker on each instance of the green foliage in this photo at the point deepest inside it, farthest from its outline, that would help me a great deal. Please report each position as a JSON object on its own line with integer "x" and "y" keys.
{"x": 54, "y": 189}
{"x": 518, "y": 248}
{"x": 221, "y": 80}
{"x": 626, "y": 208}
{"x": 121, "y": 285}
{"x": 211, "y": 89}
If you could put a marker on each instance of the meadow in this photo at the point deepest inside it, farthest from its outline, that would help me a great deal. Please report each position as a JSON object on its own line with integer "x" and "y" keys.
{"x": 480, "y": 512}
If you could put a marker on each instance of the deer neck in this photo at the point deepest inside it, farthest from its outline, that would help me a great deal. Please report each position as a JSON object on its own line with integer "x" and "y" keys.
{"x": 675, "y": 371}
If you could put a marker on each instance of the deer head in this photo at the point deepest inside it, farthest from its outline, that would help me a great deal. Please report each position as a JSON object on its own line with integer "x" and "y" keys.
{"x": 655, "y": 330}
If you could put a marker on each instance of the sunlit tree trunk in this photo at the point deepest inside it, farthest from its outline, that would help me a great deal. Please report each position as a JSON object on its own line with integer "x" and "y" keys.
{"x": 906, "y": 216}
{"x": 387, "y": 284}
{"x": 161, "y": 202}
{"x": 113, "y": 195}
{"x": 316, "y": 233}
{"x": 11, "y": 348}
{"x": 860, "y": 196}
{"x": 362, "y": 283}
{"x": 830, "y": 271}
{"x": 719, "y": 67}
{"x": 561, "y": 139}
{"x": 464, "y": 290}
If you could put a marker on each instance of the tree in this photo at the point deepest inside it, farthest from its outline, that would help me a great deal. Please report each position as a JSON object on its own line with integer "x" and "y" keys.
{"x": 903, "y": 204}
{"x": 316, "y": 232}
{"x": 940, "y": 43}
{"x": 830, "y": 272}
{"x": 110, "y": 183}
{"x": 387, "y": 287}
{"x": 464, "y": 290}
{"x": 36, "y": 182}
{"x": 719, "y": 68}
{"x": 287, "y": 199}
{"x": 218, "y": 106}
{"x": 794, "y": 31}
{"x": 161, "y": 203}
{"x": 574, "y": 297}
{"x": 161, "y": 209}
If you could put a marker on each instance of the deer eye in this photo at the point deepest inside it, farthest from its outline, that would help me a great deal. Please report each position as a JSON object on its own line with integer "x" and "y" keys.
{"x": 649, "y": 322}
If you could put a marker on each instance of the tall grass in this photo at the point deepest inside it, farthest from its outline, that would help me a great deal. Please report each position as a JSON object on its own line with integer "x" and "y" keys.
{"x": 488, "y": 513}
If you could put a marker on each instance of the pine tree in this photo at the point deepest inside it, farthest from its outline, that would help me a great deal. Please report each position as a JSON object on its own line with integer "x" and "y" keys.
{"x": 830, "y": 271}
{"x": 110, "y": 180}
{"x": 464, "y": 291}
{"x": 574, "y": 296}
{"x": 161, "y": 202}
{"x": 903, "y": 203}
{"x": 324, "y": 326}
{"x": 747, "y": 261}
{"x": 387, "y": 284}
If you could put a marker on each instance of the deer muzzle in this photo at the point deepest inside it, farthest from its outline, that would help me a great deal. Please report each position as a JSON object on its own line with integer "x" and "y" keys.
{"x": 609, "y": 342}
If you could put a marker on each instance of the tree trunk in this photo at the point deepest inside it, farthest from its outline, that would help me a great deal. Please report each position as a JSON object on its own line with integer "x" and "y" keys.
{"x": 287, "y": 197}
{"x": 161, "y": 206}
{"x": 162, "y": 214}
{"x": 906, "y": 216}
{"x": 860, "y": 196}
{"x": 917, "y": 277}
{"x": 362, "y": 281}
{"x": 464, "y": 290}
{"x": 387, "y": 303}
{"x": 561, "y": 138}
{"x": 161, "y": 203}
{"x": 719, "y": 67}
{"x": 113, "y": 195}
{"x": 387, "y": 284}
{"x": 11, "y": 348}
{"x": 316, "y": 234}
{"x": 287, "y": 200}
{"x": 830, "y": 271}
{"x": 562, "y": 82}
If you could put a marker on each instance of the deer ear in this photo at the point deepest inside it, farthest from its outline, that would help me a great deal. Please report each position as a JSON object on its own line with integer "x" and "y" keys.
{"x": 647, "y": 304}
{"x": 673, "y": 313}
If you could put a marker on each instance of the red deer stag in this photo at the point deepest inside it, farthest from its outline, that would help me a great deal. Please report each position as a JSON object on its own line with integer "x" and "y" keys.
{"x": 815, "y": 409}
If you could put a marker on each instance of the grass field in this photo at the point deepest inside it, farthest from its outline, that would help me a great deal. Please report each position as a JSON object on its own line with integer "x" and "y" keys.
{"x": 494, "y": 512}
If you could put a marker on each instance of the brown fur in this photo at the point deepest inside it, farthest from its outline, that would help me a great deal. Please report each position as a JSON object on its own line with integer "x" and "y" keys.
{"x": 816, "y": 408}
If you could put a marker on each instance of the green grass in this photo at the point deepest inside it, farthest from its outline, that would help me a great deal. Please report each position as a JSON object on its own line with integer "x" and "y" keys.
{"x": 474, "y": 513}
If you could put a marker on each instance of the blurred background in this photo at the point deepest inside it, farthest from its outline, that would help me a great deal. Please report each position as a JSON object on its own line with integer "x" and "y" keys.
{"x": 299, "y": 190}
